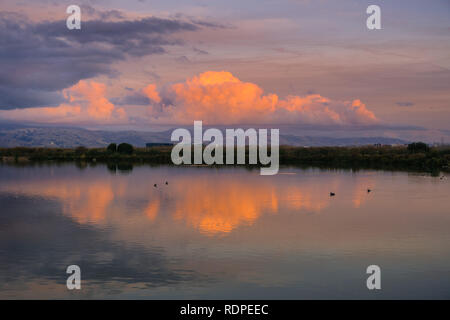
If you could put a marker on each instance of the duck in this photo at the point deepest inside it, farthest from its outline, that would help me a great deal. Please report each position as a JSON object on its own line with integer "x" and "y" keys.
{"x": 155, "y": 185}
{"x": 332, "y": 194}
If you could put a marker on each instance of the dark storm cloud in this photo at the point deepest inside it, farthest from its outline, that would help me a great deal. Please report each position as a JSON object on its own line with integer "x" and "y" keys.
{"x": 45, "y": 57}
{"x": 28, "y": 97}
{"x": 115, "y": 32}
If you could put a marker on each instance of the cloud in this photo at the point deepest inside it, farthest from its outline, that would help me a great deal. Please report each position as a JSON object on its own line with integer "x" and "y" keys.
{"x": 85, "y": 102}
{"x": 199, "y": 51}
{"x": 217, "y": 98}
{"x": 404, "y": 103}
{"x": 39, "y": 59}
{"x": 182, "y": 59}
{"x": 98, "y": 107}
{"x": 11, "y": 97}
{"x": 151, "y": 93}
{"x": 101, "y": 14}
{"x": 221, "y": 98}
{"x": 134, "y": 99}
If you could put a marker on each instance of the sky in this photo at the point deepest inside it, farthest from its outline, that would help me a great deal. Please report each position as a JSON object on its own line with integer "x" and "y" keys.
{"x": 297, "y": 64}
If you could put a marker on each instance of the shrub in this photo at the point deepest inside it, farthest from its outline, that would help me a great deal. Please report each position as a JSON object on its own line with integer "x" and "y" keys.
{"x": 418, "y": 147}
{"x": 80, "y": 150}
{"x": 125, "y": 148}
{"x": 112, "y": 147}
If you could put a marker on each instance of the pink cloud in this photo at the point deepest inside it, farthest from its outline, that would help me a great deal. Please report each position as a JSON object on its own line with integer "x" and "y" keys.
{"x": 221, "y": 98}
{"x": 151, "y": 93}
{"x": 213, "y": 97}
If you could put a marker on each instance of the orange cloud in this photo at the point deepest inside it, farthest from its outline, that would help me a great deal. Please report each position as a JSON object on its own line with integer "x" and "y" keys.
{"x": 213, "y": 97}
{"x": 97, "y": 105}
{"x": 151, "y": 93}
{"x": 221, "y": 98}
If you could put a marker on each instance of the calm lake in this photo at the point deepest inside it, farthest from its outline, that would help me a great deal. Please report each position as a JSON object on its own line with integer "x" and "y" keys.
{"x": 225, "y": 233}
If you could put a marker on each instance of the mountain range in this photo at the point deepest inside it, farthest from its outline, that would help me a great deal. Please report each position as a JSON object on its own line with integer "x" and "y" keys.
{"x": 67, "y": 137}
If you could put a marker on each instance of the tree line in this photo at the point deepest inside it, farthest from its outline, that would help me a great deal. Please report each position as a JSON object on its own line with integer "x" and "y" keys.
{"x": 415, "y": 156}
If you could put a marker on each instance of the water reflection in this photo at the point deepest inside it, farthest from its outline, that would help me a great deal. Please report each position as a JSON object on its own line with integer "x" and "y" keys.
{"x": 210, "y": 201}
{"x": 221, "y": 233}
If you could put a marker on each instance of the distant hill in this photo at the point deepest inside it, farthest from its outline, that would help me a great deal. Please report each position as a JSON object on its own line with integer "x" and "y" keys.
{"x": 31, "y": 136}
{"x": 318, "y": 141}
{"x": 71, "y": 137}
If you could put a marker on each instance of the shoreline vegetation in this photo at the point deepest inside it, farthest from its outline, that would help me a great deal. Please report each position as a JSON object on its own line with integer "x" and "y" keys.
{"x": 414, "y": 157}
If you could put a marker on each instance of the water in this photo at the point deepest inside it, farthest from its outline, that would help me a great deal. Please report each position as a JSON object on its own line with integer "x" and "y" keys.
{"x": 222, "y": 233}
